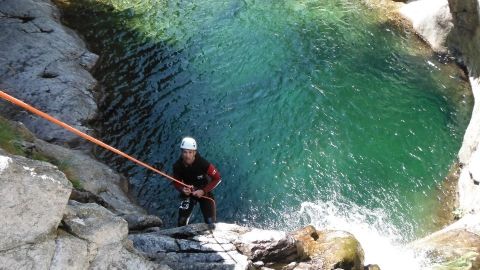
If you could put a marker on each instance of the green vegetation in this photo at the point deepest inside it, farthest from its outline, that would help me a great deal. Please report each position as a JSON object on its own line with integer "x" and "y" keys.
{"x": 10, "y": 137}
{"x": 13, "y": 138}
{"x": 66, "y": 168}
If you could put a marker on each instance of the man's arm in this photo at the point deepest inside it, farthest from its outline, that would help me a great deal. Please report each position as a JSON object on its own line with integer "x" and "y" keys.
{"x": 215, "y": 176}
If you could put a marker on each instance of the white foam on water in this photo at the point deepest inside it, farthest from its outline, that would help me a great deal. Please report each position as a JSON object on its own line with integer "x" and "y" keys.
{"x": 381, "y": 241}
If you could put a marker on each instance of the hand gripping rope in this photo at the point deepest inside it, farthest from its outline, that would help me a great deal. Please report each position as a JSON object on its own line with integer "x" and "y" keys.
{"x": 90, "y": 138}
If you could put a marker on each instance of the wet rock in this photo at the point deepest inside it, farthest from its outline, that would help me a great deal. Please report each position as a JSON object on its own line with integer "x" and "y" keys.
{"x": 259, "y": 264}
{"x": 454, "y": 248}
{"x": 45, "y": 64}
{"x": 335, "y": 249}
{"x": 33, "y": 195}
{"x": 372, "y": 267}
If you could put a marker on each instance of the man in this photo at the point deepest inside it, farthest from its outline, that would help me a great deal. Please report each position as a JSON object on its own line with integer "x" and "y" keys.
{"x": 201, "y": 177}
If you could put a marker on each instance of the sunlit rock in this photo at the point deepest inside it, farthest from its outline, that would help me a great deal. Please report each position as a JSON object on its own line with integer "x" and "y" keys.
{"x": 431, "y": 19}
{"x": 267, "y": 246}
{"x": 195, "y": 244}
{"x": 29, "y": 256}
{"x": 33, "y": 196}
{"x": 335, "y": 249}
{"x": 452, "y": 249}
{"x": 229, "y": 245}
{"x": 95, "y": 223}
{"x": 372, "y": 267}
{"x": 92, "y": 175}
{"x": 70, "y": 252}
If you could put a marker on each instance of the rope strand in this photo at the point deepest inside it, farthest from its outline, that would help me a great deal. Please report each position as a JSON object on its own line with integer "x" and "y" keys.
{"x": 87, "y": 137}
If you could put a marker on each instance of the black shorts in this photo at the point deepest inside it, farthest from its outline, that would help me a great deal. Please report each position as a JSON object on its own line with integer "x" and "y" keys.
{"x": 188, "y": 203}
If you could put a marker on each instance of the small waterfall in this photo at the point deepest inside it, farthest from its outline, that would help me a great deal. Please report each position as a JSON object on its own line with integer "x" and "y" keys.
{"x": 382, "y": 242}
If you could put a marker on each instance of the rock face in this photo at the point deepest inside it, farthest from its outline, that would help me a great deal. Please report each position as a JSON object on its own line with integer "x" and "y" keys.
{"x": 336, "y": 249}
{"x": 454, "y": 247}
{"x": 267, "y": 246}
{"x": 432, "y": 20}
{"x": 71, "y": 252}
{"x": 45, "y": 64}
{"x": 103, "y": 235}
{"x": 95, "y": 181}
{"x": 465, "y": 38}
{"x": 465, "y": 35}
{"x": 194, "y": 247}
{"x": 29, "y": 256}
{"x": 92, "y": 175}
{"x": 38, "y": 230}
{"x": 469, "y": 181}
{"x": 229, "y": 246}
{"x": 457, "y": 246}
{"x": 449, "y": 26}
{"x": 94, "y": 223}
{"x": 33, "y": 196}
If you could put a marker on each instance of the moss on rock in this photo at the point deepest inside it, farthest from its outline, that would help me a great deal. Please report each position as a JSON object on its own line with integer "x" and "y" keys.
{"x": 16, "y": 139}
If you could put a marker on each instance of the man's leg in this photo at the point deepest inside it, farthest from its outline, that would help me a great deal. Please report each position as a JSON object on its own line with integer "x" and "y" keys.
{"x": 185, "y": 210}
{"x": 208, "y": 209}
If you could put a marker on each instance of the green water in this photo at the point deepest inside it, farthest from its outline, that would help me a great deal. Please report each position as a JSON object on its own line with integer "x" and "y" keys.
{"x": 293, "y": 101}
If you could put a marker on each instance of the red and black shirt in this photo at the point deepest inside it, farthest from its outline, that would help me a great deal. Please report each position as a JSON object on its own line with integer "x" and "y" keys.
{"x": 201, "y": 174}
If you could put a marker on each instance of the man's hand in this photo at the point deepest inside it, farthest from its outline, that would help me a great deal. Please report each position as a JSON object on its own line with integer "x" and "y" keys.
{"x": 187, "y": 190}
{"x": 198, "y": 193}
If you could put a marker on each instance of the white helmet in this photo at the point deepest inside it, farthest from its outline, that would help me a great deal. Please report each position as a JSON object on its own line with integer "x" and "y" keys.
{"x": 188, "y": 143}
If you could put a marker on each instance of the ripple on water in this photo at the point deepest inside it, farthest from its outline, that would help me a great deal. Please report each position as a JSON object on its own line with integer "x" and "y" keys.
{"x": 293, "y": 101}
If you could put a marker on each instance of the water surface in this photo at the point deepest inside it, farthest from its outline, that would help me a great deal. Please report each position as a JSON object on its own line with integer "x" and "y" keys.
{"x": 313, "y": 111}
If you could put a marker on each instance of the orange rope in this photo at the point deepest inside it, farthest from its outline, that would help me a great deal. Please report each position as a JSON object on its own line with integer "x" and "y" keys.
{"x": 89, "y": 138}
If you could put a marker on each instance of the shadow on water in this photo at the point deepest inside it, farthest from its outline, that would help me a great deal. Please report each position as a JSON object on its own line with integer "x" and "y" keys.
{"x": 158, "y": 74}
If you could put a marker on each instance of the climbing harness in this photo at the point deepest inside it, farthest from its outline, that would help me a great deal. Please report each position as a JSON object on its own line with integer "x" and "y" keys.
{"x": 90, "y": 138}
